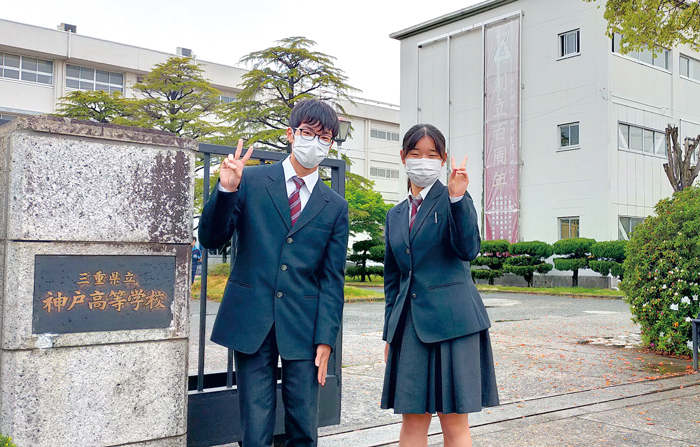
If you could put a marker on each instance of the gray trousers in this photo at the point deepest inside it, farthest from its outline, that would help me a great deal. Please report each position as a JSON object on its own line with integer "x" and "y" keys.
{"x": 256, "y": 376}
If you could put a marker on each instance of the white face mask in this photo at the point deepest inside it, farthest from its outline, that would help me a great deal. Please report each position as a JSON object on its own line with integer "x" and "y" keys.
{"x": 423, "y": 172}
{"x": 309, "y": 153}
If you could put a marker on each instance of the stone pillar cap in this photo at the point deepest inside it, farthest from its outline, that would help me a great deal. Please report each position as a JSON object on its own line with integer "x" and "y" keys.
{"x": 91, "y": 129}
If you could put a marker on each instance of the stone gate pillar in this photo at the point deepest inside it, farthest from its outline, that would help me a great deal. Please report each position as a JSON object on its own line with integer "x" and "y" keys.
{"x": 95, "y": 239}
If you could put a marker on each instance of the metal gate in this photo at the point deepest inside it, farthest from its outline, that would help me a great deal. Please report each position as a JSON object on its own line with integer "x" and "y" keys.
{"x": 213, "y": 417}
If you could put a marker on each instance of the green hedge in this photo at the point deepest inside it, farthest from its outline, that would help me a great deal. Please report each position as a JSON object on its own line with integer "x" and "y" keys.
{"x": 576, "y": 252}
{"x": 6, "y": 441}
{"x": 662, "y": 273}
{"x": 364, "y": 272}
{"x": 531, "y": 258}
{"x": 492, "y": 255}
{"x": 609, "y": 258}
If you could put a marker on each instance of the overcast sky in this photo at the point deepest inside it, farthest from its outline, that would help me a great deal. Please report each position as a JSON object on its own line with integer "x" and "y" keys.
{"x": 356, "y": 32}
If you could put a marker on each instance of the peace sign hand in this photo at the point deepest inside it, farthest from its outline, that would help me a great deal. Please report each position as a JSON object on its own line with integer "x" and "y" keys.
{"x": 459, "y": 180}
{"x": 232, "y": 168}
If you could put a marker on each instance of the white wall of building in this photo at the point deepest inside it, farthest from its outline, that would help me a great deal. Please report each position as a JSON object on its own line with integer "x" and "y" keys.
{"x": 62, "y": 48}
{"x": 442, "y": 84}
{"x": 372, "y": 155}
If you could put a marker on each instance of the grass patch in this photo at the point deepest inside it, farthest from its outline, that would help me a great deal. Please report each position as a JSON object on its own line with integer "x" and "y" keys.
{"x": 357, "y": 293}
{"x": 375, "y": 283}
{"x": 217, "y": 283}
{"x": 559, "y": 291}
{"x": 355, "y": 281}
{"x": 215, "y": 287}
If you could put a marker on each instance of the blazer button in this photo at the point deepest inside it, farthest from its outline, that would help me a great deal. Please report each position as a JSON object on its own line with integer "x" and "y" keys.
{"x": 279, "y": 294}
{"x": 414, "y": 296}
{"x": 408, "y": 251}
{"x": 290, "y": 240}
{"x": 284, "y": 267}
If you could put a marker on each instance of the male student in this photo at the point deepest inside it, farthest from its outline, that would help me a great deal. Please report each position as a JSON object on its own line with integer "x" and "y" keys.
{"x": 284, "y": 296}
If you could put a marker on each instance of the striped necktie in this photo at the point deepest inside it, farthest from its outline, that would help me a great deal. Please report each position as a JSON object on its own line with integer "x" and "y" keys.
{"x": 295, "y": 200}
{"x": 415, "y": 203}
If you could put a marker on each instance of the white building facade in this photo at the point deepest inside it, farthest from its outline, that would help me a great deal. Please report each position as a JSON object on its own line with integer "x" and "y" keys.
{"x": 587, "y": 123}
{"x": 38, "y": 66}
{"x": 374, "y": 145}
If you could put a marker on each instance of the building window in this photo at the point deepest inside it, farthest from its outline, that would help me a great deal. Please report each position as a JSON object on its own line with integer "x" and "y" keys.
{"x": 89, "y": 79}
{"x": 568, "y": 136}
{"x": 626, "y": 226}
{"x": 384, "y": 173}
{"x": 568, "y": 227}
{"x": 661, "y": 59}
{"x": 26, "y": 68}
{"x": 640, "y": 139}
{"x": 690, "y": 68}
{"x": 384, "y": 135}
{"x": 569, "y": 43}
{"x": 226, "y": 99}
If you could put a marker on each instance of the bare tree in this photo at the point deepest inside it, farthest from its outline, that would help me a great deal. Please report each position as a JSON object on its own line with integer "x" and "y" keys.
{"x": 680, "y": 172}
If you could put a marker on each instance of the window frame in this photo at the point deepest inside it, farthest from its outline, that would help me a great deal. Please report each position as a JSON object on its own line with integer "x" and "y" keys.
{"x": 570, "y": 147}
{"x": 388, "y": 173}
{"x": 561, "y": 41}
{"x": 627, "y": 233}
{"x": 643, "y": 130}
{"x": 689, "y": 61}
{"x": 21, "y": 70}
{"x": 569, "y": 219}
{"x": 93, "y": 80}
{"x": 388, "y": 135}
{"x": 666, "y": 53}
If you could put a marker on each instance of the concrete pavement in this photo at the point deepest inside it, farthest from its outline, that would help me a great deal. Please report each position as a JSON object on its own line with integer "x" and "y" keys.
{"x": 556, "y": 387}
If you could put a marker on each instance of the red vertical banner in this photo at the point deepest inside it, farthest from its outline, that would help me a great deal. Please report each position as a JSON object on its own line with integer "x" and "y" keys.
{"x": 502, "y": 129}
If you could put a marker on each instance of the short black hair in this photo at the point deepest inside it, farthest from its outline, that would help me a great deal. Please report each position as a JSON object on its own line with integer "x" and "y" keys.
{"x": 419, "y": 131}
{"x": 313, "y": 112}
{"x": 194, "y": 239}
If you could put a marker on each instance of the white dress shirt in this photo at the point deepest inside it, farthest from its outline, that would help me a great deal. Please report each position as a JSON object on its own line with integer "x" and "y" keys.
{"x": 289, "y": 172}
{"x": 308, "y": 186}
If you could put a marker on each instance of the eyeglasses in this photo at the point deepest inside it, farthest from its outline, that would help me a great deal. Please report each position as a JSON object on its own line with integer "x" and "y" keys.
{"x": 308, "y": 135}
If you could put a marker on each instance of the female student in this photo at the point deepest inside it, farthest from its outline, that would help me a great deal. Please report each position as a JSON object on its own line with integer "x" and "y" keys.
{"x": 438, "y": 352}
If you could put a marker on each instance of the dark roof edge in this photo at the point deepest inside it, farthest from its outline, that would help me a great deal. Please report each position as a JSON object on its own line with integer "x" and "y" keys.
{"x": 449, "y": 18}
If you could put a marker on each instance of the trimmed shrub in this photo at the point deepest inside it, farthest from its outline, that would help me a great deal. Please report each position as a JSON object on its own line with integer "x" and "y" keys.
{"x": 531, "y": 258}
{"x": 6, "y": 441}
{"x": 370, "y": 249}
{"x": 609, "y": 258}
{"x": 576, "y": 252}
{"x": 662, "y": 273}
{"x": 376, "y": 271}
{"x": 493, "y": 255}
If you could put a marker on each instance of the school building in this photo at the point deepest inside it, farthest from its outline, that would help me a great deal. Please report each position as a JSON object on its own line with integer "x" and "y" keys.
{"x": 39, "y": 65}
{"x": 565, "y": 135}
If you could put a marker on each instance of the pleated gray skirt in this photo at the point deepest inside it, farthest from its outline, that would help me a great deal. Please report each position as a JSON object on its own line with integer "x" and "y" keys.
{"x": 453, "y": 376}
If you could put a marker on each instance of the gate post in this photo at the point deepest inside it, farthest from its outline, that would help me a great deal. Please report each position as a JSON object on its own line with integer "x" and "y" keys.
{"x": 95, "y": 235}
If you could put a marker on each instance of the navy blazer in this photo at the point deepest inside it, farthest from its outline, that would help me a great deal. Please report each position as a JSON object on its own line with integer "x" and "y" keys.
{"x": 430, "y": 264}
{"x": 291, "y": 277}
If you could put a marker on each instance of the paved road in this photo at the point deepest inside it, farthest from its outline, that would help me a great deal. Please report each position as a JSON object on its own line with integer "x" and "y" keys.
{"x": 540, "y": 355}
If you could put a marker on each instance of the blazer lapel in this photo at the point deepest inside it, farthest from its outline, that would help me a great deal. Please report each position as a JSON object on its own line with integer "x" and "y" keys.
{"x": 278, "y": 193}
{"x": 403, "y": 220}
{"x": 426, "y": 207}
{"x": 317, "y": 201}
